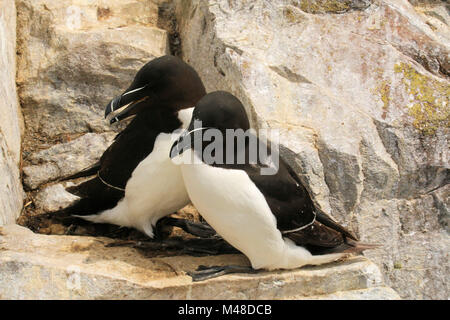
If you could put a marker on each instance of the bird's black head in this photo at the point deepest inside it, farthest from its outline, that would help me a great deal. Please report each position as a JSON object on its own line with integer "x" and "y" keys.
{"x": 166, "y": 82}
{"x": 220, "y": 110}
{"x": 217, "y": 110}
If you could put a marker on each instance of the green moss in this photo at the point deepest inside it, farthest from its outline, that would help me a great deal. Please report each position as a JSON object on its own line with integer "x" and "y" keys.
{"x": 292, "y": 16}
{"x": 289, "y": 14}
{"x": 324, "y": 6}
{"x": 397, "y": 265}
{"x": 429, "y": 99}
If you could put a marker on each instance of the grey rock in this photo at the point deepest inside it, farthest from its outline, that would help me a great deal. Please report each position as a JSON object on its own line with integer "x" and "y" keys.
{"x": 75, "y": 57}
{"x": 54, "y": 197}
{"x": 436, "y": 14}
{"x": 11, "y": 193}
{"x": 66, "y": 158}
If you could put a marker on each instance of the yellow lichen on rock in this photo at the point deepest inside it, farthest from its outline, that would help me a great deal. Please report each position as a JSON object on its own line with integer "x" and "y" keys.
{"x": 384, "y": 91}
{"x": 293, "y": 15}
{"x": 429, "y": 99}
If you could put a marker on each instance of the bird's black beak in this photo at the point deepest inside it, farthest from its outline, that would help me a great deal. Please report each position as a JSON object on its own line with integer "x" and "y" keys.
{"x": 132, "y": 100}
{"x": 182, "y": 144}
{"x": 191, "y": 138}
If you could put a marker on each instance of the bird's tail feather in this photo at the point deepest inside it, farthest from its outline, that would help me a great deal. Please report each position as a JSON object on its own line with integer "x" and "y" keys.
{"x": 64, "y": 215}
{"x": 349, "y": 246}
{"x": 327, "y": 221}
{"x": 81, "y": 207}
{"x": 87, "y": 188}
{"x": 356, "y": 246}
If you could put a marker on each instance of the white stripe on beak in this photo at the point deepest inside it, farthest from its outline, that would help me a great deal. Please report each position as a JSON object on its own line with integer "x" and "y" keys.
{"x": 133, "y": 91}
{"x": 197, "y": 129}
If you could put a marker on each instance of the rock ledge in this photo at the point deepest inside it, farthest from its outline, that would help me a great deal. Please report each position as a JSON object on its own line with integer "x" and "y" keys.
{"x": 36, "y": 266}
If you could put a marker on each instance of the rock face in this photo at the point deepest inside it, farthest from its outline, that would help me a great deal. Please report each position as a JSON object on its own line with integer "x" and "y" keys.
{"x": 359, "y": 93}
{"x": 11, "y": 194}
{"x": 73, "y": 58}
{"x": 69, "y": 267}
{"x": 65, "y": 159}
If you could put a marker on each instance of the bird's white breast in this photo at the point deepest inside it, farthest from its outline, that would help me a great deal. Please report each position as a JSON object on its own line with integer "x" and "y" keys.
{"x": 155, "y": 188}
{"x": 232, "y": 204}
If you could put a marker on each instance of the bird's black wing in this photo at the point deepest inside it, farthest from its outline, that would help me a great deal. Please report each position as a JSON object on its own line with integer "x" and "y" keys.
{"x": 321, "y": 216}
{"x": 129, "y": 148}
{"x": 118, "y": 162}
{"x": 288, "y": 200}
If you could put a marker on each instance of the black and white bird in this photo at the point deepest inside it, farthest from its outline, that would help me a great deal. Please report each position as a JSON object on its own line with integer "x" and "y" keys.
{"x": 269, "y": 218}
{"x": 135, "y": 183}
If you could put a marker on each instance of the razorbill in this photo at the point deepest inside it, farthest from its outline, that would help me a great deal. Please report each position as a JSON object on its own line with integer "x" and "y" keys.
{"x": 269, "y": 218}
{"x": 135, "y": 183}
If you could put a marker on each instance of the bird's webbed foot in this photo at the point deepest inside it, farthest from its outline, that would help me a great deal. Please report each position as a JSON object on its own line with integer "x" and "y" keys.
{"x": 204, "y": 273}
{"x": 198, "y": 229}
{"x": 194, "y": 247}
